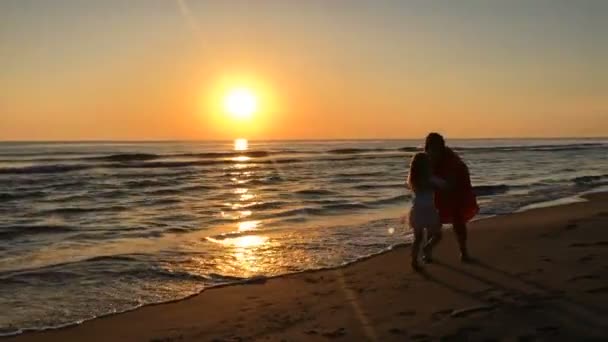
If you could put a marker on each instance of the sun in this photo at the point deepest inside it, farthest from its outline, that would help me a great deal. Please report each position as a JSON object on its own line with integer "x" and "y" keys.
{"x": 241, "y": 103}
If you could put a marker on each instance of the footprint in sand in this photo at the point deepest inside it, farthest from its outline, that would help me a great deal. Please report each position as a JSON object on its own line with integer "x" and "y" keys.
{"x": 396, "y": 331}
{"x": 263, "y": 303}
{"x": 527, "y": 338}
{"x": 484, "y": 291}
{"x": 587, "y": 258}
{"x": 603, "y": 289}
{"x": 494, "y": 296}
{"x": 539, "y": 297}
{"x": 590, "y": 244}
{"x": 335, "y": 333}
{"x": 401, "y": 285}
{"x": 420, "y": 337}
{"x": 471, "y": 310}
{"x": 438, "y": 315}
{"x": 530, "y": 306}
{"x": 462, "y": 334}
{"x": 323, "y": 293}
{"x": 583, "y": 277}
{"x": 311, "y": 280}
{"x": 168, "y": 339}
{"x": 407, "y": 313}
{"x": 549, "y": 329}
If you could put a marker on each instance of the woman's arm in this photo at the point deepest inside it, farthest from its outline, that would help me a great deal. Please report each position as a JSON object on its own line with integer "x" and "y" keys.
{"x": 458, "y": 177}
{"x": 438, "y": 183}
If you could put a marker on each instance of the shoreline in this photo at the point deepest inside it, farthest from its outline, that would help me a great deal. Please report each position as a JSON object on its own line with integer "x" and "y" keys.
{"x": 51, "y": 333}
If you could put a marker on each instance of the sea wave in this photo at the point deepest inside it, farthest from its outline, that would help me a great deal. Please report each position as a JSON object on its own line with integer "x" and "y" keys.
{"x": 266, "y": 205}
{"x": 139, "y": 156}
{"x": 389, "y": 200}
{"x": 124, "y": 265}
{"x": 314, "y": 192}
{"x": 359, "y": 174}
{"x": 356, "y": 150}
{"x": 265, "y": 181}
{"x": 540, "y": 148}
{"x": 379, "y": 186}
{"x": 14, "y": 231}
{"x": 11, "y": 196}
{"x": 490, "y": 190}
{"x": 127, "y": 157}
{"x": 84, "y": 210}
{"x": 56, "y": 168}
{"x": 250, "y": 154}
{"x": 591, "y": 180}
{"x": 145, "y": 183}
{"x": 321, "y": 211}
{"x": 173, "y": 164}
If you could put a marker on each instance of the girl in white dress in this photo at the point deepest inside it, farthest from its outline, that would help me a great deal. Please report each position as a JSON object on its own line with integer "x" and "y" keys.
{"x": 423, "y": 214}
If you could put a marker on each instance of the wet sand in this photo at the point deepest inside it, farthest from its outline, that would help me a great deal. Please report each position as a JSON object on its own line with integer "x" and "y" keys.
{"x": 539, "y": 275}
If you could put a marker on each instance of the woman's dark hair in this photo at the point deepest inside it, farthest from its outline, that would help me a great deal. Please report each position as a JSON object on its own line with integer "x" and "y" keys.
{"x": 419, "y": 176}
{"x": 434, "y": 139}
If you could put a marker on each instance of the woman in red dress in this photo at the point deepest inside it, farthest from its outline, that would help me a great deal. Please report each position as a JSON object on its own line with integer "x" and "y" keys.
{"x": 457, "y": 203}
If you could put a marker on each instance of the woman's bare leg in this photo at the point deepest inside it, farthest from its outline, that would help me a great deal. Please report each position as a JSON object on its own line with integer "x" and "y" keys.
{"x": 460, "y": 230}
{"x": 432, "y": 242}
{"x": 416, "y": 249}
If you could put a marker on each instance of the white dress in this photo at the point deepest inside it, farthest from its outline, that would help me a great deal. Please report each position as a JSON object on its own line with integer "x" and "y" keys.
{"x": 423, "y": 213}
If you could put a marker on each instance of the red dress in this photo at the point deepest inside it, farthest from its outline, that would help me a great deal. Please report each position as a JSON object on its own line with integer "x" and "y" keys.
{"x": 457, "y": 204}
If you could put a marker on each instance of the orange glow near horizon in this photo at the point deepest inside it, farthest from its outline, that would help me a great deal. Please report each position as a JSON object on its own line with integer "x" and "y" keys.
{"x": 220, "y": 70}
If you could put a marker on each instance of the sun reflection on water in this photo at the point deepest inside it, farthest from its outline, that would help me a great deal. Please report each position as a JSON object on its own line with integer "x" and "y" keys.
{"x": 247, "y": 241}
{"x": 248, "y": 225}
{"x": 241, "y": 144}
{"x": 246, "y": 197}
{"x": 241, "y": 159}
{"x": 247, "y": 252}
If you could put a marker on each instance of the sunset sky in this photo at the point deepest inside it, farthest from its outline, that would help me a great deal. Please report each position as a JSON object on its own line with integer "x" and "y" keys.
{"x": 159, "y": 69}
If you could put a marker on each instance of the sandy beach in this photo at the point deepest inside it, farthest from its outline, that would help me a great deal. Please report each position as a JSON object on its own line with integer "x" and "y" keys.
{"x": 539, "y": 275}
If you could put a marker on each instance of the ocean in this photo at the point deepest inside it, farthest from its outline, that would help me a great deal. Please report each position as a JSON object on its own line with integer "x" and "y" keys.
{"x": 94, "y": 228}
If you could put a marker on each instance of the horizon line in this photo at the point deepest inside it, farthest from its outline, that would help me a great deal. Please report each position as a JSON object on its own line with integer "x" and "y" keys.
{"x": 277, "y": 140}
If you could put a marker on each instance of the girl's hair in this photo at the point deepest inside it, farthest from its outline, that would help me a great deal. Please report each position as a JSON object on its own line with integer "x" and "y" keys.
{"x": 435, "y": 139}
{"x": 420, "y": 172}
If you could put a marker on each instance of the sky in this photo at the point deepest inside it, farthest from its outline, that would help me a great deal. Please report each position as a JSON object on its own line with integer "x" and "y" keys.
{"x": 158, "y": 69}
